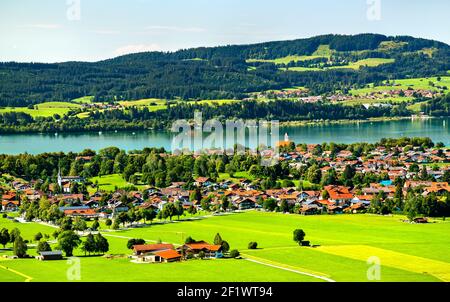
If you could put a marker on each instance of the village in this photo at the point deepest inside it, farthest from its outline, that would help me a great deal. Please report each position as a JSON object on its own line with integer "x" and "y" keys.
{"x": 380, "y": 95}
{"x": 399, "y": 168}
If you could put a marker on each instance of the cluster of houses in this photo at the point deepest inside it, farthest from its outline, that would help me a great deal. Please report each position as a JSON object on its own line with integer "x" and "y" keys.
{"x": 161, "y": 252}
{"x": 302, "y": 95}
{"x": 245, "y": 194}
{"x": 283, "y": 94}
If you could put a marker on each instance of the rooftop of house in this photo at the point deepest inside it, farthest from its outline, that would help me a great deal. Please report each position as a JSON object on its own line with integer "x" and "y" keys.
{"x": 168, "y": 254}
{"x": 152, "y": 247}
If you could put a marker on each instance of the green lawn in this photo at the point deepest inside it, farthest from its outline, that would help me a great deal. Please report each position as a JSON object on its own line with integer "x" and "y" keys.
{"x": 407, "y": 252}
{"x": 116, "y": 270}
{"x": 273, "y": 232}
{"x": 236, "y": 177}
{"x": 306, "y": 185}
{"x": 44, "y": 109}
{"x": 110, "y": 182}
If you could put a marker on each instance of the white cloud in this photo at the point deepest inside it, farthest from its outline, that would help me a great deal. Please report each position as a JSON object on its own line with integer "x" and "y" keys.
{"x": 41, "y": 26}
{"x": 163, "y": 28}
{"x": 105, "y": 32}
{"x": 127, "y": 49}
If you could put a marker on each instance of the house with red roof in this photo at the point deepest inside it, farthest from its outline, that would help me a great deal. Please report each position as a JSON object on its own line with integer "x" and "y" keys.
{"x": 210, "y": 250}
{"x": 154, "y": 253}
{"x": 142, "y": 249}
{"x": 339, "y": 194}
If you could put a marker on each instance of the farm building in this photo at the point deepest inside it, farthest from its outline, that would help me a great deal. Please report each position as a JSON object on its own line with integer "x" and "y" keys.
{"x": 210, "y": 250}
{"x": 143, "y": 249}
{"x": 52, "y": 255}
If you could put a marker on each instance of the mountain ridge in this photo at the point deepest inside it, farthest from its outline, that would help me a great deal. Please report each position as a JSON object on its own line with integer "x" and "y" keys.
{"x": 230, "y": 71}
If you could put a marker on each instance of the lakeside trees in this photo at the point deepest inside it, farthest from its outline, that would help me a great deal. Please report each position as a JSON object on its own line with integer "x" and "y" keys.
{"x": 142, "y": 118}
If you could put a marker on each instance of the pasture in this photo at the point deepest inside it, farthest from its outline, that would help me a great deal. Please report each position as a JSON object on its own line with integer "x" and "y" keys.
{"x": 323, "y": 51}
{"x": 47, "y": 109}
{"x": 407, "y": 252}
{"x": 415, "y": 83}
{"x": 151, "y": 104}
{"x": 84, "y": 100}
{"x": 371, "y": 62}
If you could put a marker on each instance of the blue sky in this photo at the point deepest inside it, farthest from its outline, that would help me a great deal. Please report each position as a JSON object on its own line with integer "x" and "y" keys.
{"x": 53, "y": 31}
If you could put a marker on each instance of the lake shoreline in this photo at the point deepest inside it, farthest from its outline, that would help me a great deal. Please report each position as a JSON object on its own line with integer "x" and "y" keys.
{"x": 310, "y": 132}
{"x": 282, "y": 124}
{"x": 344, "y": 121}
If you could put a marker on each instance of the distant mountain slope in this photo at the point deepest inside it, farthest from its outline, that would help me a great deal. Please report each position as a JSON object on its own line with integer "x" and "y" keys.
{"x": 323, "y": 64}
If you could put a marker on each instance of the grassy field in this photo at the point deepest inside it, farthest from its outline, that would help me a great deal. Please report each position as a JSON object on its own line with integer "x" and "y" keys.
{"x": 158, "y": 104}
{"x": 236, "y": 177}
{"x": 388, "y": 45}
{"x": 372, "y": 62}
{"x": 121, "y": 269}
{"x": 407, "y": 252}
{"x": 362, "y": 100}
{"x": 45, "y": 109}
{"x": 416, "y": 107}
{"x": 216, "y": 102}
{"x": 323, "y": 51}
{"x": 84, "y": 100}
{"x": 306, "y": 185}
{"x": 286, "y": 60}
{"x": 415, "y": 83}
{"x": 151, "y": 104}
{"x": 110, "y": 182}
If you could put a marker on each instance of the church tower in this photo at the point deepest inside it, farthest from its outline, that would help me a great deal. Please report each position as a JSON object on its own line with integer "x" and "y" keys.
{"x": 59, "y": 176}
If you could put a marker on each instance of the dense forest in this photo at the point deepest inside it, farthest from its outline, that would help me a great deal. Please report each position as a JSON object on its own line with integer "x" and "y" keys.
{"x": 140, "y": 119}
{"x": 219, "y": 72}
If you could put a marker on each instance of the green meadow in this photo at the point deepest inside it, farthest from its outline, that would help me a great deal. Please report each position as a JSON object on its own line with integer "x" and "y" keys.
{"x": 84, "y": 100}
{"x": 323, "y": 51}
{"x": 158, "y": 104}
{"x": 394, "y": 100}
{"x": 151, "y": 104}
{"x": 389, "y": 45}
{"x": 344, "y": 243}
{"x": 415, "y": 83}
{"x": 236, "y": 176}
{"x": 371, "y": 62}
{"x": 44, "y": 109}
{"x": 286, "y": 59}
{"x": 110, "y": 182}
{"x": 215, "y": 102}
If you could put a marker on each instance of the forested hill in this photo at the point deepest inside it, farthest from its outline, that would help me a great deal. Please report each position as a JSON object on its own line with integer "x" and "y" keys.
{"x": 323, "y": 64}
